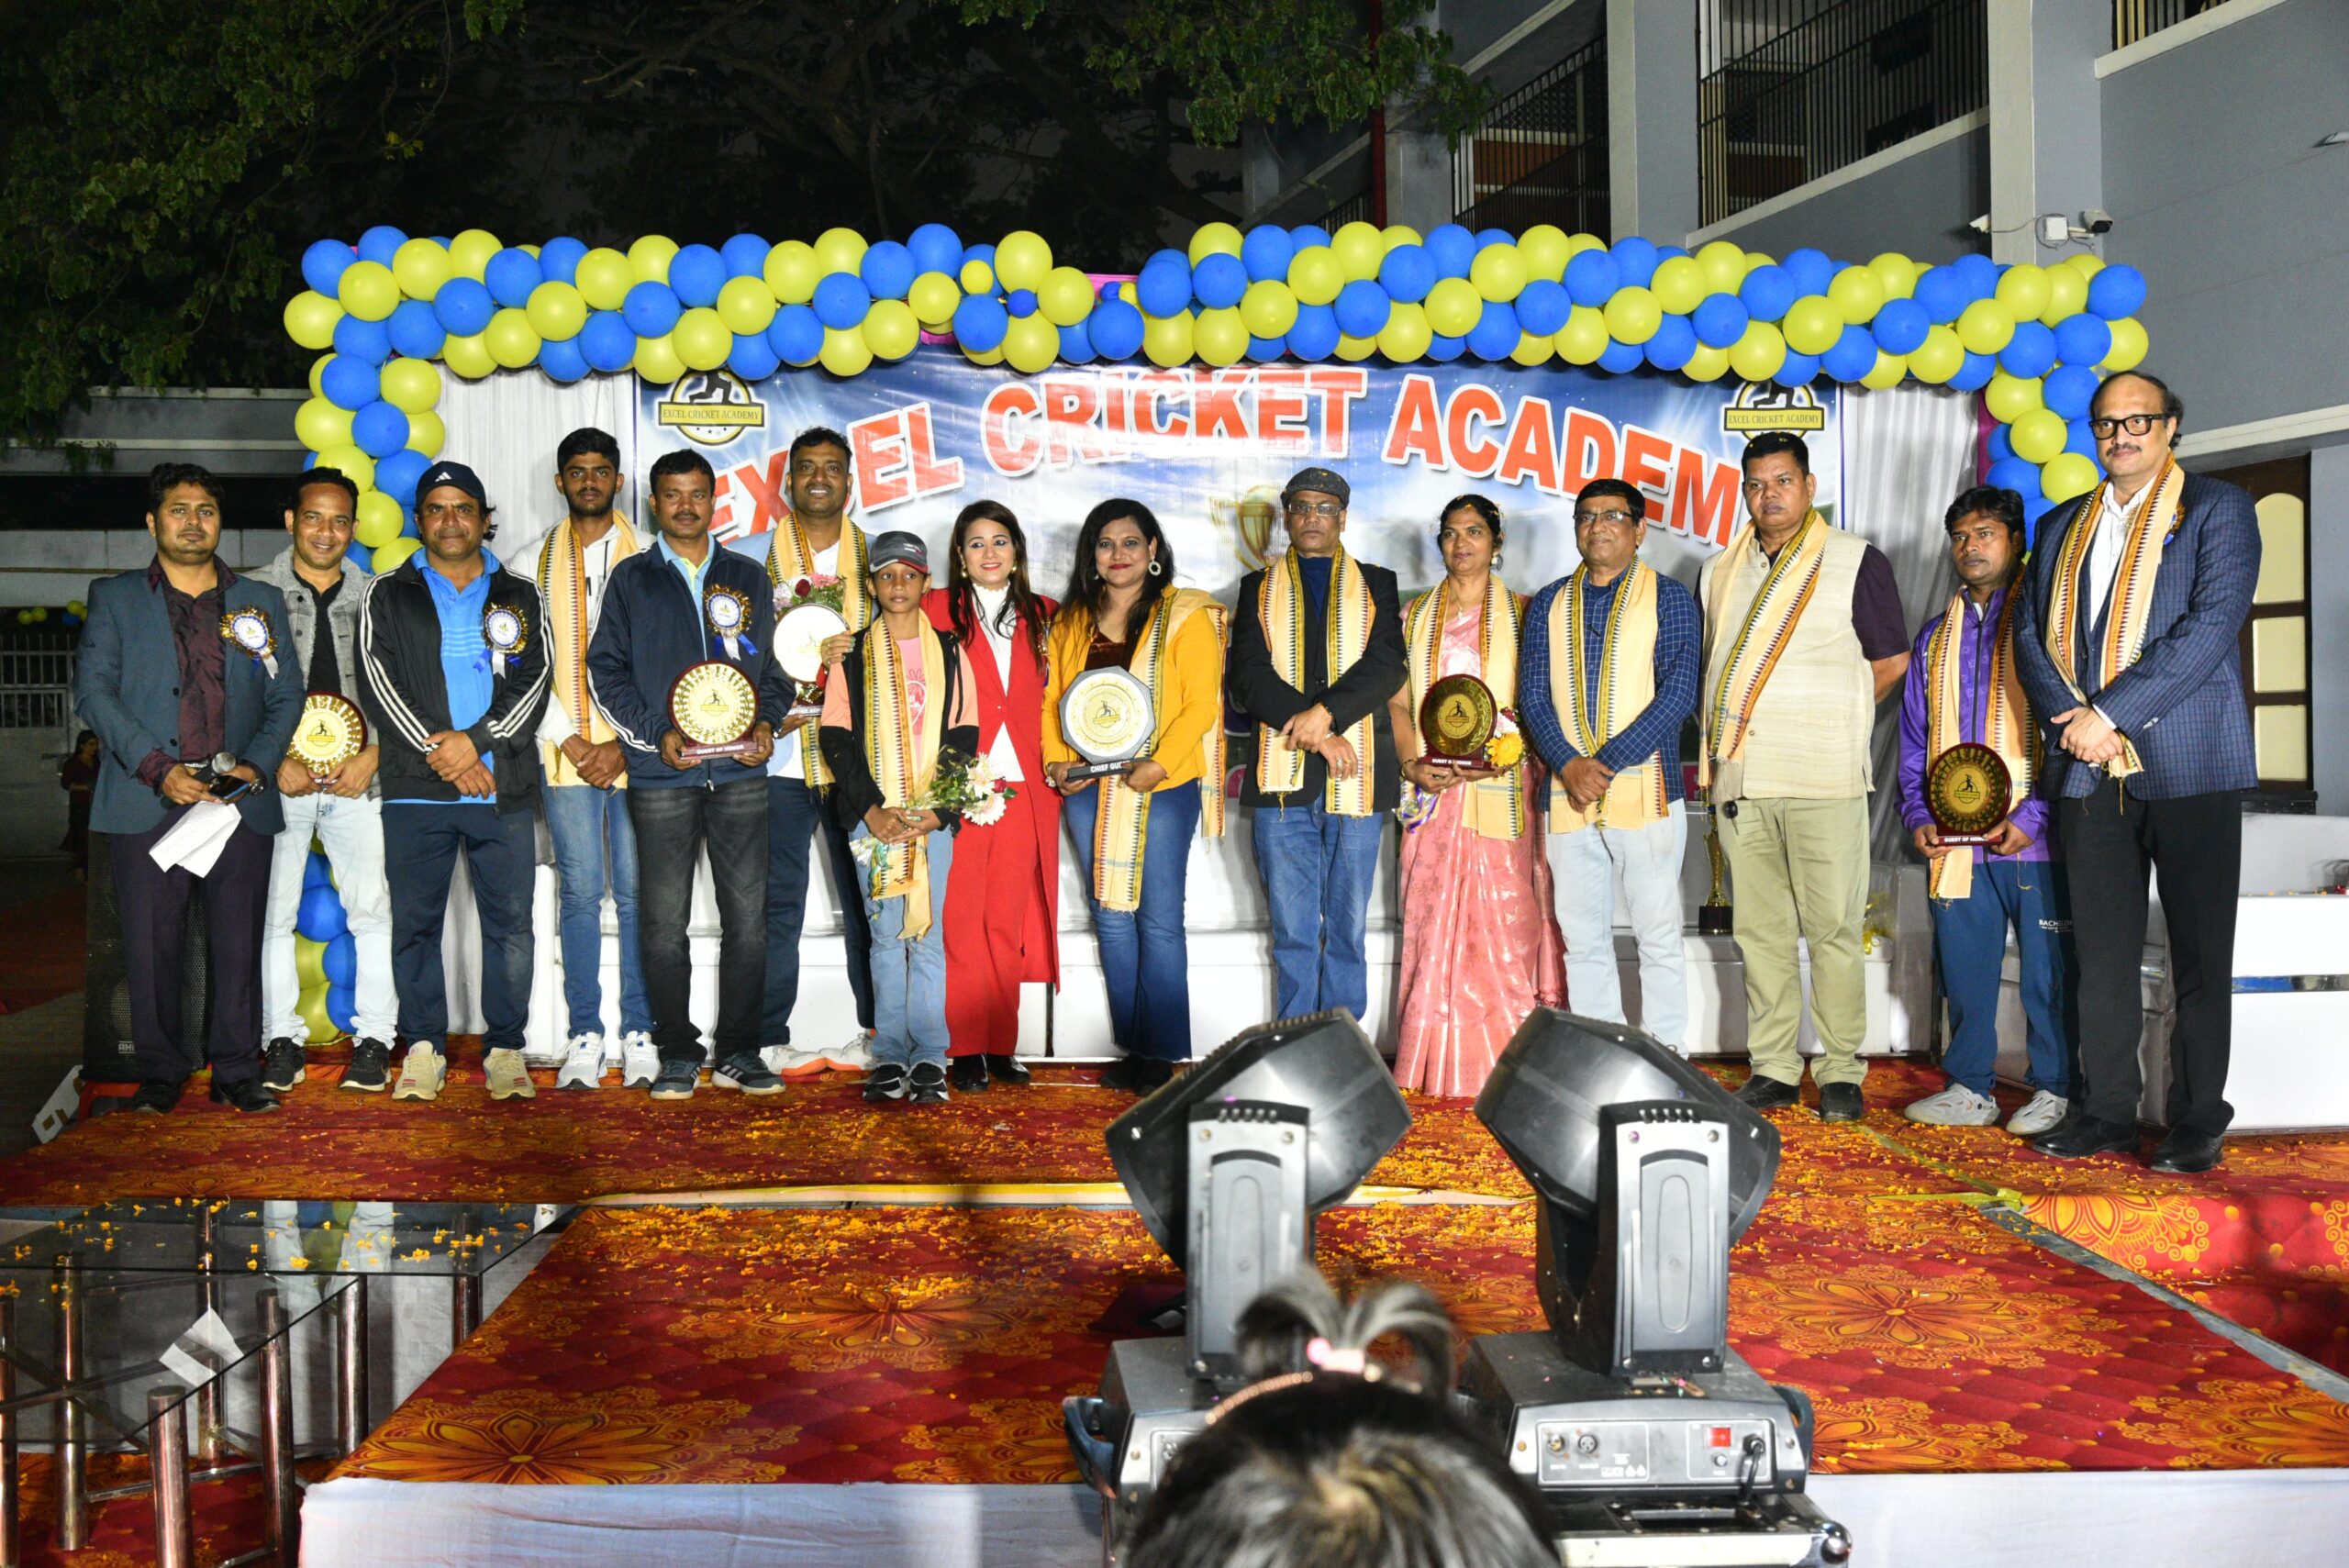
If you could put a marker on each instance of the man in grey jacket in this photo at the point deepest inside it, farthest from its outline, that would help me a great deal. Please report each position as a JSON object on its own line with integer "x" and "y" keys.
{"x": 322, "y": 588}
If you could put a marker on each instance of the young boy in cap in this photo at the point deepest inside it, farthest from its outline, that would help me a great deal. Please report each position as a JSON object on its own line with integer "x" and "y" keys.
{"x": 898, "y": 698}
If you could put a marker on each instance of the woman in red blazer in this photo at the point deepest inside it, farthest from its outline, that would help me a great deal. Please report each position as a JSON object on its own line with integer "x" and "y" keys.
{"x": 1002, "y": 894}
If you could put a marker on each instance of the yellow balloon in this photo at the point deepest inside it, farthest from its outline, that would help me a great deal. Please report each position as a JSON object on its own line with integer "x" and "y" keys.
{"x": 656, "y": 359}
{"x": 1406, "y": 334}
{"x": 649, "y": 258}
{"x": 1707, "y": 364}
{"x": 1812, "y": 325}
{"x": 1030, "y": 344}
{"x": 510, "y": 338}
{"x": 1130, "y": 294}
{"x": 1760, "y": 354}
{"x": 1546, "y": 250}
{"x": 793, "y": 272}
{"x": 1395, "y": 234}
{"x": 556, "y": 311}
{"x": 977, "y": 277}
{"x": 1857, "y": 293}
{"x": 933, "y": 298}
{"x": 1632, "y": 315}
{"x": 1453, "y": 305}
{"x": 1939, "y": 357}
{"x": 2067, "y": 295}
{"x": 425, "y": 433}
{"x": 421, "y": 266}
{"x": 317, "y": 371}
{"x": 1755, "y": 260}
{"x": 368, "y": 291}
{"x": 2009, "y": 398}
{"x": 351, "y": 461}
{"x": 1678, "y": 284}
{"x": 1219, "y": 338}
{"x": 1166, "y": 340}
{"x": 320, "y": 425}
{"x": 392, "y": 554}
{"x": 1022, "y": 261}
{"x": 1315, "y": 275}
{"x": 469, "y": 357}
{"x": 1583, "y": 337}
{"x": 2038, "y": 436}
{"x": 746, "y": 305}
{"x": 838, "y": 250}
{"x": 991, "y": 357}
{"x": 1353, "y": 351}
{"x": 1218, "y": 239}
{"x": 1532, "y": 348}
{"x": 1359, "y": 250}
{"x": 1890, "y": 370}
{"x": 1722, "y": 264}
{"x": 312, "y": 1010}
{"x": 1986, "y": 327}
{"x": 2129, "y": 345}
{"x": 310, "y": 317}
{"x": 2023, "y": 291}
{"x": 1498, "y": 272}
{"x": 605, "y": 278}
{"x": 1065, "y": 297}
{"x": 845, "y": 352}
{"x": 2068, "y": 475}
{"x": 1577, "y": 243}
{"x": 701, "y": 340}
{"x": 890, "y": 330}
{"x": 309, "y": 957}
{"x": 411, "y": 386}
{"x": 470, "y": 252}
{"x": 379, "y": 520}
{"x": 2086, "y": 263}
{"x": 1270, "y": 309}
{"x": 1898, "y": 273}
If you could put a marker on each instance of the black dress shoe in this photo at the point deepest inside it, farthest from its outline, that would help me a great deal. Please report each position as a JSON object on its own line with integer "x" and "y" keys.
{"x": 2189, "y": 1151}
{"x": 156, "y": 1099}
{"x": 2088, "y": 1135}
{"x": 968, "y": 1073}
{"x": 1764, "y": 1093}
{"x": 1137, "y": 1074}
{"x": 1008, "y": 1070}
{"x": 245, "y": 1094}
{"x": 1841, "y": 1102}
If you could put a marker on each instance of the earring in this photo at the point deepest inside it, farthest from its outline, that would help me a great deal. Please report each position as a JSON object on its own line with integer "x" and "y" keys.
{"x": 1498, "y": 556}
{"x": 1157, "y": 567}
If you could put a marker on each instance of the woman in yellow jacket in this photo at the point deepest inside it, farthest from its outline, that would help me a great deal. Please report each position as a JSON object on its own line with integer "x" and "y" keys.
{"x": 1133, "y": 833}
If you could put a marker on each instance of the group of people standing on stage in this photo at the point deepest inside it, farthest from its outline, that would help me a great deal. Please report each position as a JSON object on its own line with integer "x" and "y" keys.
{"x": 494, "y": 695}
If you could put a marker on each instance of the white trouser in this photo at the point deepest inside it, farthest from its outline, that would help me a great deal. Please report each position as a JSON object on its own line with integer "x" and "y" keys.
{"x": 352, "y": 832}
{"x": 1585, "y": 867}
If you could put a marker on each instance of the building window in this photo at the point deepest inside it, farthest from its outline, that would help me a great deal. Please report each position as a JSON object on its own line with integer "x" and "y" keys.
{"x": 1541, "y": 155}
{"x": 1788, "y": 91}
{"x": 2276, "y": 638}
{"x": 2135, "y": 19}
{"x": 37, "y": 681}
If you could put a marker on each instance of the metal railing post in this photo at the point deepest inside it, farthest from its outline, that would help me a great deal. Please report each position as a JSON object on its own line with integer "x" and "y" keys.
{"x": 167, "y": 1451}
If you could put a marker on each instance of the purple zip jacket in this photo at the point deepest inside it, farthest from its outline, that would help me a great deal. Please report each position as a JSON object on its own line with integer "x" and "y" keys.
{"x": 1973, "y": 655}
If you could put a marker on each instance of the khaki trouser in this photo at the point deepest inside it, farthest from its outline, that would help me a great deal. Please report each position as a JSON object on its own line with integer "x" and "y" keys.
{"x": 1799, "y": 868}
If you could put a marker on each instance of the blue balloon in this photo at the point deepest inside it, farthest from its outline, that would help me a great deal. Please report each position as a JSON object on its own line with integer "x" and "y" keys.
{"x": 559, "y": 259}
{"x": 1494, "y": 237}
{"x": 510, "y": 277}
{"x": 1942, "y": 295}
{"x": 563, "y": 361}
{"x": 1314, "y": 334}
{"x": 696, "y": 274}
{"x": 1800, "y": 369}
{"x": 1165, "y": 285}
{"x": 397, "y": 475}
{"x": 1114, "y": 330}
{"x": 2031, "y": 512}
{"x": 408, "y": 525}
{"x": 2000, "y": 444}
{"x": 752, "y": 357}
{"x": 1851, "y": 356}
{"x": 1900, "y": 326}
{"x": 987, "y": 253}
{"x": 1020, "y": 302}
{"x": 320, "y": 916}
{"x": 342, "y": 960}
{"x": 1720, "y": 320}
{"x": 1076, "y": 344}
{"x": 935, "y": 249}
{"x": 359, "y": 555}
{"x": 1592, "y": 278}
{"x": 1674, "y": 344}
{"x": 2117, "y": 291}
{"x": 745, "y": 256}
{"x": 842, "y": 300}
{"x": 887, "y": 270}
{"x": 1974, "y": 373}
{"x": 1766, "y": 292}
{"x": 1496, "y": 333}
{"x": 1621, "y": 359}
{"x": 2069, "y": 389}
{"x": 414, "y": 331}
{"x": 1266, "y": 252}
{"x": 341, "y": 1007}
{"x": 1635, "y": 259}
{"x": 368, "y": 341}
{"x": 350, "y": 383}
{"x": 463, "y": 307}
{"x": 323, "y": 265}
{"x": 1219, "y": 282}
{"x": 1362, "y": 308}
{"x": 1305, "y": 236}
{"x": 2030, "y": 353}
{"x": 1977, "y": 273}
{"x": 980, "y": 322}
{"x": 1542, "y": 308}
{"x": 1451, "y": 248}
{"x": 381, "y": 243}
{"x": 2018, "y": 474}
{"x": 1670, "y": 252}
{"x": 795, "y": 335}
{"x": 1264, "y": 350}
{"x": 607, "y": 342}
{"x": 379, "y": 430}
{"x": 1811, "y": 270}
{"x": 1407, "y": 274}
{"x": 317, "y": 872}
{"x": 2083, "y": 339}
{"x": 651, "y": 309}
{"x": 2078, "y": 438}
{"x": 1440, "y": 349}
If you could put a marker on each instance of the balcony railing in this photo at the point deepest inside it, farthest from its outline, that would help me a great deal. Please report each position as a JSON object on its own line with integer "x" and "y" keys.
{"x": 1541, "y": 155}
{"x": 2135, "y": 19}
{"x": 1791, "y": 90}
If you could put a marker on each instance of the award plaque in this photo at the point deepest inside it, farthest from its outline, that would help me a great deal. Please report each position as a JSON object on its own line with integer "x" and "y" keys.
{"x": 330, "y": 732}
{"x": 1969, "y": 793}
{"x": 1457, "y": 720}
{"x": 799, "y": 639}
{"x": 1107, "y": 718}
{"x": 714, "y": 706}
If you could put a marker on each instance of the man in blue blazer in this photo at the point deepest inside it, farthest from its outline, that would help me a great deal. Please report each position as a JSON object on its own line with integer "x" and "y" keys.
{"x": 185, "y": 674}
{"x": 2127, "y": 641}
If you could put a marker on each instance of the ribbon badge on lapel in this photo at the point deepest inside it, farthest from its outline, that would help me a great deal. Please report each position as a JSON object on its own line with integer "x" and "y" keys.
{"x": 728, "y": 613}
{"x": 249, "y": 629}
{"x": 507, "y": 632}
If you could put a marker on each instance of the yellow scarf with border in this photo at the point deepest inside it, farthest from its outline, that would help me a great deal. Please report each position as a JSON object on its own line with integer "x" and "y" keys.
{"x": 1281, "y": 607}
{"x": 1744, "y": 661}
{"x": 1635, "y": 797}
{"x": 790, "y": 558}
{"x": 2133, "y": 593}
{"x": 2006, "y": 723}
{"x": 1493, "y": 808}
{"x": 1122, "y": 826}
{"x": 562, "y": 591}
{"x": 903, "y": 757}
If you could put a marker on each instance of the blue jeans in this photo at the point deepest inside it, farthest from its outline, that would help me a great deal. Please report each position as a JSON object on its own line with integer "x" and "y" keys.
{"x": 1145, "y": 960}
{"x": 1317, "y": 869}
{"x": 909, "y": 973}
{"x": 796, "y": 815}
{"x": 1970, "y": 934}
{"x": 421, "y": 844}
{"x": 594, "y": 847}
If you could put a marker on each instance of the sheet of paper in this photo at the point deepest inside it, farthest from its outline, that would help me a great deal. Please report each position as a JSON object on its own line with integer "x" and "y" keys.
{"x": 196, "y": 840}
{"x": 197, "y": 1356}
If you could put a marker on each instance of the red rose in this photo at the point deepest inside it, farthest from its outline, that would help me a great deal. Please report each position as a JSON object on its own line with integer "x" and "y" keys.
{"x": 802, "y": 588}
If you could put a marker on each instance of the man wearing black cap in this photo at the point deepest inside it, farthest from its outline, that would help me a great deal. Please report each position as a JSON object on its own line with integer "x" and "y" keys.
{"x": 452, "y": 670}
{"x": 1317, "y": 650}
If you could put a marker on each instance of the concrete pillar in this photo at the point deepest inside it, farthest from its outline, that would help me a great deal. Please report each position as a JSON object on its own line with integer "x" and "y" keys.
{"x": 1418, "y": 178}
{"x": 1652, "y": 118}
{"x": 2046, "y": 120}
{"x": 2329, "y": 629}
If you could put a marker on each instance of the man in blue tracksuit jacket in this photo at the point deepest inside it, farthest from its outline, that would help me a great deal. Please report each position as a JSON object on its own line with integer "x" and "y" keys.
{"x": 683, "y": 603}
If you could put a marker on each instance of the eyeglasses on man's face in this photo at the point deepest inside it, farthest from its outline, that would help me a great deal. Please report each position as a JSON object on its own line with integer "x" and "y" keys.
{"x": 1326, "y": 510}
{"x": 1613, "y": 518}
{"x": 2135, "y": 424}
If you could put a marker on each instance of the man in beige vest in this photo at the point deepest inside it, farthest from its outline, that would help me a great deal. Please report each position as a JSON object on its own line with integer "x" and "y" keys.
{"x": 1803, "y": 636}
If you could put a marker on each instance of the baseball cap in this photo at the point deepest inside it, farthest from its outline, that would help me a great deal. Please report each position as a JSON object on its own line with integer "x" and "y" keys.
{"x": 895, "y": 545}
{"x": 455, "y": 473}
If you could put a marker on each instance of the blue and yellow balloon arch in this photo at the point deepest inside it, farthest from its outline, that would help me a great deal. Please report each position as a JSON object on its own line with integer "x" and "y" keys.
{"x": 2035, "y": 342}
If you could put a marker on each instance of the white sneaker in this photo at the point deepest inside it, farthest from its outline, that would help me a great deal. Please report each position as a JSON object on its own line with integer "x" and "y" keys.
{"x": 852, "y": 1055}
{"x": 509, "y": 1075}
{"x": 422, "y": 1074}
{"x": 1957, "y": 1105}
{"x": 2039, "y": 1115}
{"x": 639, "y": 1061}
{"x": 790, "y": 1062}
{"x": 582, "y": 1064}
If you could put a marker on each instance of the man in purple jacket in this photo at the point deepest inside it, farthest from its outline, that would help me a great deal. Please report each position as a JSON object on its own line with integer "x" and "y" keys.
{"x": 1963, "y": 685}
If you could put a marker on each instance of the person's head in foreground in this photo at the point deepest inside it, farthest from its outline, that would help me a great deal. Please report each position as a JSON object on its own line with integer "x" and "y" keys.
{"x": 1332, "y": 1460}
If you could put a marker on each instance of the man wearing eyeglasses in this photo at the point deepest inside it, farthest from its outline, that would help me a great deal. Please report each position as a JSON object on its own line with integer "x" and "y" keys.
{"x": 2127, "y": 637}
{"x": 1607, "y": 674}
{"x": 1317, "y": 649}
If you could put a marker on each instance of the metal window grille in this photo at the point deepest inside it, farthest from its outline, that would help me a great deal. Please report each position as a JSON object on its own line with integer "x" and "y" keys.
{"x": 1354, "y": 209}
{"x": 37, "y": 681}
{"x": 1541, "y": 155}
{"x": 1788, "y": 91}
{"x": 2135, "y": 19}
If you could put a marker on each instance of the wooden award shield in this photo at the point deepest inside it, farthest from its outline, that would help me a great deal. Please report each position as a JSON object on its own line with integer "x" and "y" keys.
{"x": 715, "y": 707}
{"x": 1456, "y": 721}
{"x": 1107, "y": 718}
{"x": 1969, "y": 793}
{"x": 331, "y": 732}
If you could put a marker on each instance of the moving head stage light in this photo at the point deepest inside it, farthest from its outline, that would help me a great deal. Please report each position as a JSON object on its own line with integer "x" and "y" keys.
{"x": 1652, "y": 1441}
{"x": 1227, "y": 1166}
